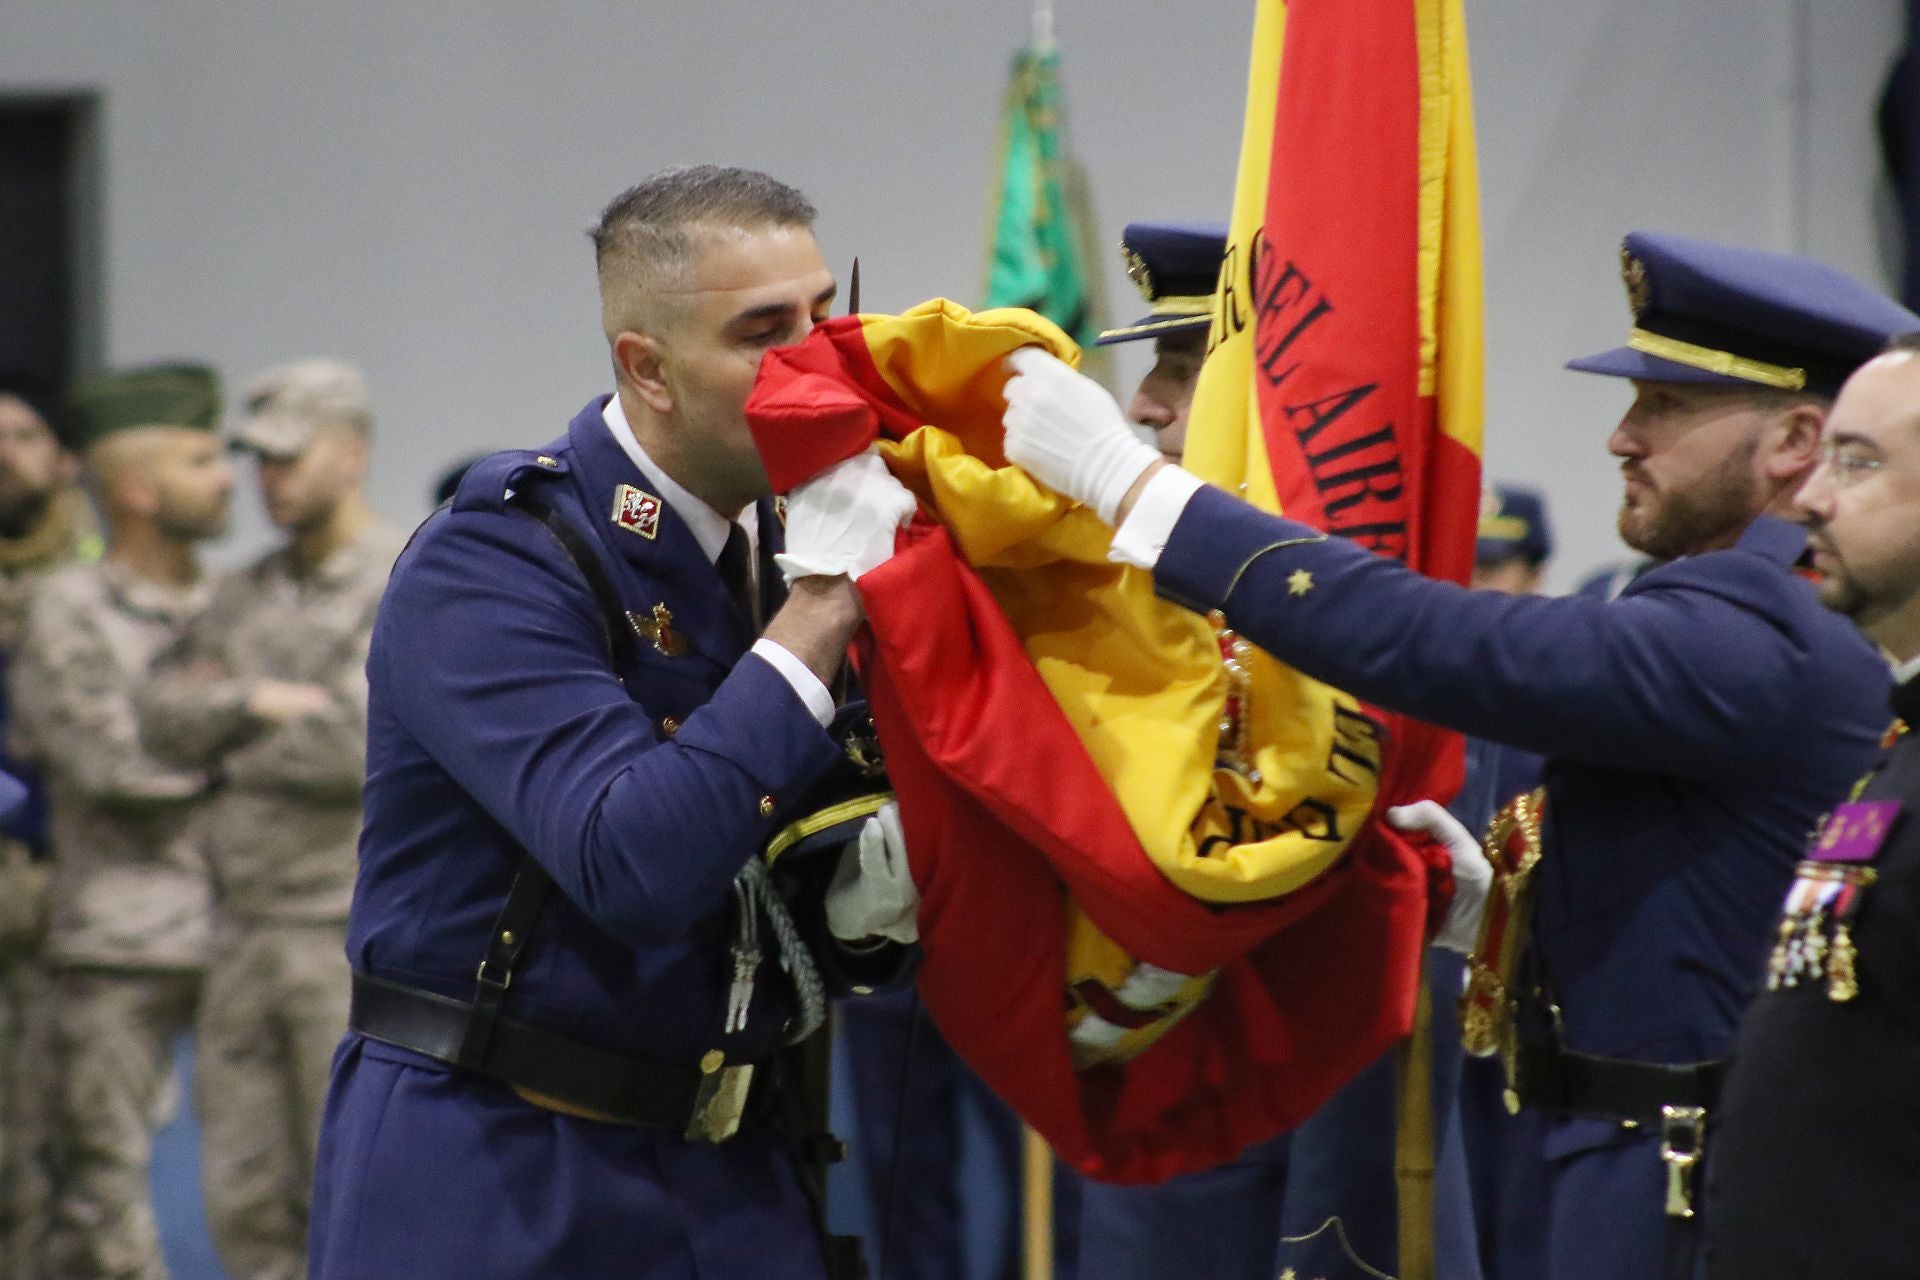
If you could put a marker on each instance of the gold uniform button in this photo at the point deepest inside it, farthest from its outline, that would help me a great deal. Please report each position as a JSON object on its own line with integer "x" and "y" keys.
{"x": 766, "y": 806}
{"x": 547, "y": 461}
{"x": 669, "y": 725}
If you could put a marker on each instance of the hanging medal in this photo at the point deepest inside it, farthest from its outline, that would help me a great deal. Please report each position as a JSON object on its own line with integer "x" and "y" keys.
{"x": 1843, "y": 984}
{"x": 1815, "y": 938}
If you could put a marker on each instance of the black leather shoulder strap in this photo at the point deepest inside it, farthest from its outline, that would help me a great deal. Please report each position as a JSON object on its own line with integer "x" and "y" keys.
{"x": 532, "y": 886}
{"x": 622, "y": 645}
{"x": 511, "y": 929}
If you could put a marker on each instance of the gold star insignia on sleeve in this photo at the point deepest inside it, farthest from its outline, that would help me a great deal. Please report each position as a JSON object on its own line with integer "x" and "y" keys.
{"x": 1299, "y": 582}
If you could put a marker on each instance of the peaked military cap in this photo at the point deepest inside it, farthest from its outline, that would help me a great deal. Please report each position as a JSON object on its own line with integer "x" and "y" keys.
{"x": 1513, "y": 526}
{"x": 1717, "y": 313}
{"x": 155, "y": 395}
{"x": 1175, "y": 266}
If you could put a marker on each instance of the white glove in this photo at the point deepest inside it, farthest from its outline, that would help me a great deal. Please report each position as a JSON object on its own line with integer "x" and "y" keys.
{"x": 1070, "y": 435}
{"x": 872, "y": 892}
{"x": 1472, "y": 873}
{"x": 843, "y": 520}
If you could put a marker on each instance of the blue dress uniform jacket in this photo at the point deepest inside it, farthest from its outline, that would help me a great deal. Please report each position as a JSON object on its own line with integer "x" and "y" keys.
{"x": 498, "y": 725}
{"x": 1695, "y": 728}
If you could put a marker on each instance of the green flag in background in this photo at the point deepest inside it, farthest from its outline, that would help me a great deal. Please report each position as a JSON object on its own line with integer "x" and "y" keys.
{"x": 1038, "y": 258}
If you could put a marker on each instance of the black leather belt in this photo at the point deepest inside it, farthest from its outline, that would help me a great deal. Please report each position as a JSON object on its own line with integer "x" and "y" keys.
{"x": 1556, "y": 1079}
{"x": 562, "y": 1074}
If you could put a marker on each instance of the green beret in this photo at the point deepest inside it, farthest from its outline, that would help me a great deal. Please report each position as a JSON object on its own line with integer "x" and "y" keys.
{"x": 155, "y": 395}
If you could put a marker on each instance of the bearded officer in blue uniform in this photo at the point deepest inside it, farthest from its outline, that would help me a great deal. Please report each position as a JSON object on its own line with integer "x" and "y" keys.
{"x": 573, "y": 980}
{"x": 1694, "y": 728}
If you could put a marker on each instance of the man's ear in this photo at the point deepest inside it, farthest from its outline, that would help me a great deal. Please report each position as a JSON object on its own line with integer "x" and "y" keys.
{"x": 134, "y": 493}
{"x": 359, "y": 451}
{"x": 1795, "y": 440}
{"x": 637, "y": 357}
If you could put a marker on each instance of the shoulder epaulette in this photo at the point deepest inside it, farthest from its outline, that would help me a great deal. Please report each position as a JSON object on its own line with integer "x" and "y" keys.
{"x": 488, "y": 482}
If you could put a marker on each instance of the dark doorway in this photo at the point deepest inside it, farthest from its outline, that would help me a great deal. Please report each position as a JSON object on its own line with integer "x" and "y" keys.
{"x": 49, "y": 241}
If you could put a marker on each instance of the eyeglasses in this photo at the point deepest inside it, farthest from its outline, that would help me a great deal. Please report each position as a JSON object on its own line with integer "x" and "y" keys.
{"x": 1849, "y": 461}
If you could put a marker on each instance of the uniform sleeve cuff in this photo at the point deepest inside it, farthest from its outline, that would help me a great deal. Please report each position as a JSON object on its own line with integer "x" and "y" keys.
{"x": 796, "y": 673}
{"x": 1143, "y": 535}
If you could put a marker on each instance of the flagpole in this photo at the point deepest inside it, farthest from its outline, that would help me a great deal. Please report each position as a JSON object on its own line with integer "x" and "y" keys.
{"x": 1036, "y": 1158}
{"x": 1036, "y": 1217}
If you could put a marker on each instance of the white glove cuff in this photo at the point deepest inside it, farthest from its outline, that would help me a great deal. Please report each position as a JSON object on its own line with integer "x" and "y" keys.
{"x": 1106, "y": 471}
{"x": 853, "y": 563}
{"x": 794, "y": 566}
{"x": 1461, "y": 932}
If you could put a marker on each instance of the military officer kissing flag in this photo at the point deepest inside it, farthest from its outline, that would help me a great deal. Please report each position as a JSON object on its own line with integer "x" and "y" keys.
{"x": 1156, "y": 915}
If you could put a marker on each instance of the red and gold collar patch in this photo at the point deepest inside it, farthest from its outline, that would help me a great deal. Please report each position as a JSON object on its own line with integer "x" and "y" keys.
{"x": 636, "y": 511}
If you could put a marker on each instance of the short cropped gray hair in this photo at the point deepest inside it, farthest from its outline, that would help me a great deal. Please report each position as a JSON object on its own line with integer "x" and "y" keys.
{"x": 643, "y": 240}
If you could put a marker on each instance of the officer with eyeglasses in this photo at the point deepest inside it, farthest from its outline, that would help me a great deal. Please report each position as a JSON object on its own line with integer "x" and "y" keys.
{"x": 1695, "y": 728}
{"x": 1816, "y": 1161}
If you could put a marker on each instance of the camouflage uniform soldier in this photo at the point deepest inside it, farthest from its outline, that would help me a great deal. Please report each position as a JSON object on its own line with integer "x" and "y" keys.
{"x": 130, "y": 904}
{"x": 270, "y": 689}
{"x": 44, "y": 523}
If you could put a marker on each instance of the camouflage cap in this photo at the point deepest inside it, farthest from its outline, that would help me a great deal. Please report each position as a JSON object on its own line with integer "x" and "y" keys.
{"x": 155, "y": 395}
{"x": 287, "y": 405}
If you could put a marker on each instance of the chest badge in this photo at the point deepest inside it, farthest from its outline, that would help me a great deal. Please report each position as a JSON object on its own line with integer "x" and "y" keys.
{"x": 636, "y": 511}
{"x": 1854, "y": 831}
{"x": 657, "y": 629}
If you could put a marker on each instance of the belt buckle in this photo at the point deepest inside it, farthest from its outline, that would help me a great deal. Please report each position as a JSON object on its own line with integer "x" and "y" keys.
{"x": 721, "y": 1099}
{"x": 1682, "y": 1135}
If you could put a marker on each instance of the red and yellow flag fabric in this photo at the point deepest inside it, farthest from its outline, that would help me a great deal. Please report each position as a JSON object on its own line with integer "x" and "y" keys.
{"x": 1050, "y": 728}
{"x": 1112, "y": 811}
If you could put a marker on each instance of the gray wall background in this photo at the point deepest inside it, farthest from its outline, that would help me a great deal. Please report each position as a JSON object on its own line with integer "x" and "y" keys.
{"x": 405, "y": 183}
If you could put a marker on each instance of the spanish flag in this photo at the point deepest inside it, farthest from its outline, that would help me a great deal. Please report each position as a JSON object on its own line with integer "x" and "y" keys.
{"x": 1130, "y": 944}
{"x": 1157, "y": 916}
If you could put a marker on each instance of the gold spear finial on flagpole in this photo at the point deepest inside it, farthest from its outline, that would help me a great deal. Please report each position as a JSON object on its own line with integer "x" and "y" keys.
{"x": 1042, "y": 25}
{"x": 853, "y": 289}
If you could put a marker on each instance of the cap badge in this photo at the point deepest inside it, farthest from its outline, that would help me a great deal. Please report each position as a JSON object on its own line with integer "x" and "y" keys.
{"x": 636, "y": 511}
{"x": 1634, "y": 273}
{"x": 1137, "y": 272}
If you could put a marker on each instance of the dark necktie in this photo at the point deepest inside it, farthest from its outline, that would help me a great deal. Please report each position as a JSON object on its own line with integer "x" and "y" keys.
{"x": 736, "y": 570}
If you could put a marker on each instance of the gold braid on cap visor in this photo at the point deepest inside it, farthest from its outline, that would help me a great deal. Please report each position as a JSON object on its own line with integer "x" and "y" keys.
{"x": 1721, "y": 362}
